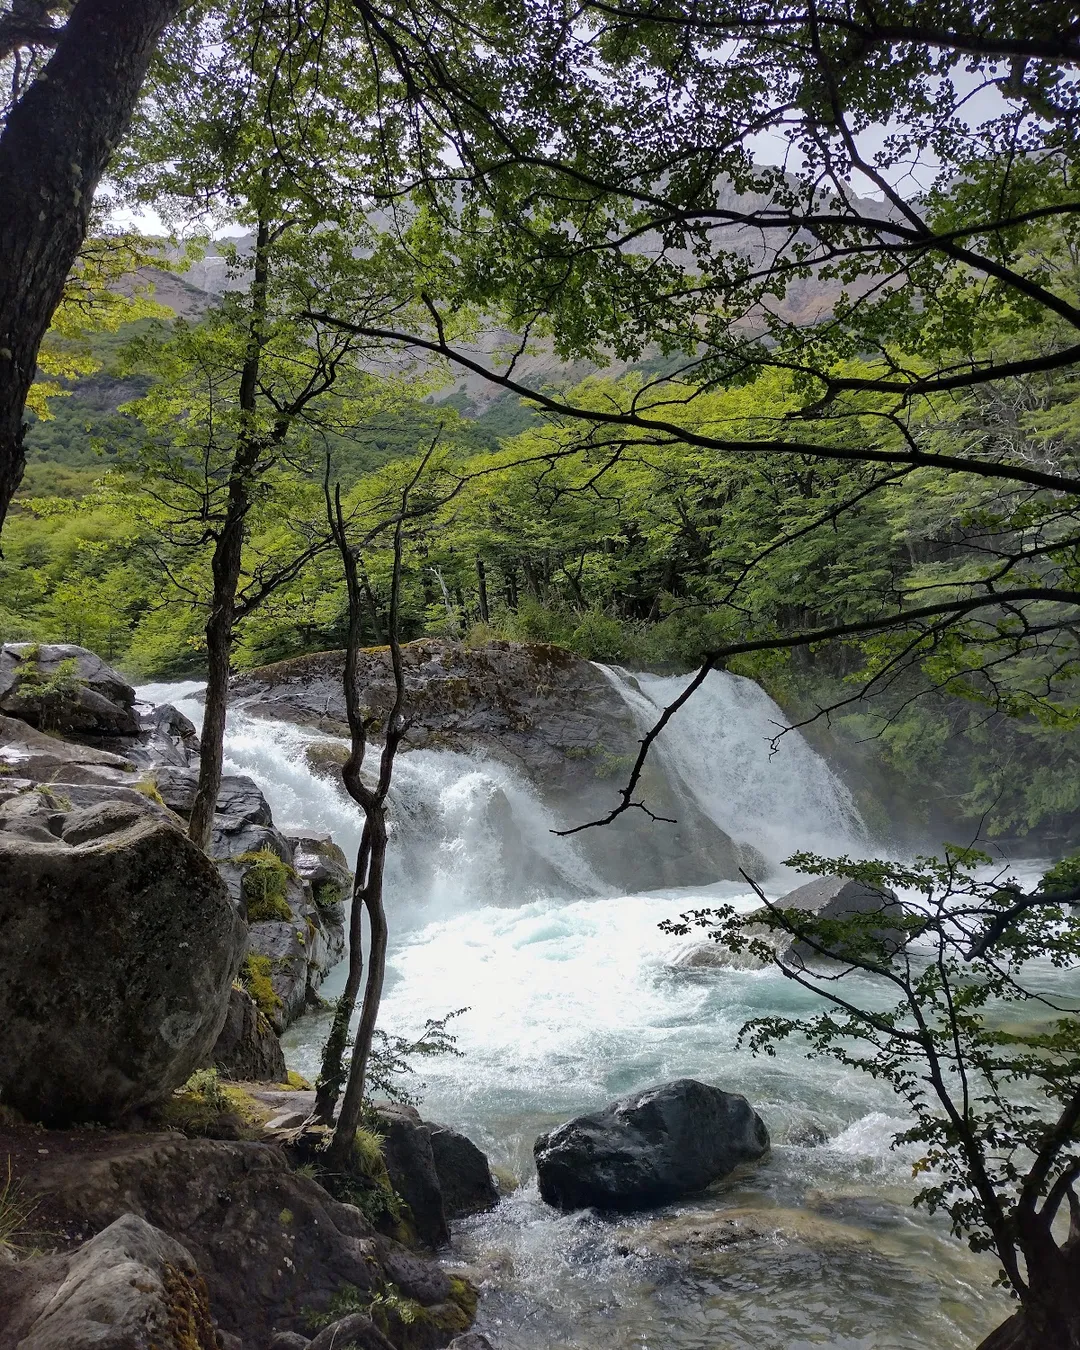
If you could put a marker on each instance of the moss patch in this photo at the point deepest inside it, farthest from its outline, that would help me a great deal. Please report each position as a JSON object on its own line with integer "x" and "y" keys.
{"x": 265, "y": 886}
{"x": 205, "y": 1107}
{"x": 190, "y": 1325}
{"x": 255, "y": 977}
{"x": 149, "y": 789}
{"x": 327, "y": 894}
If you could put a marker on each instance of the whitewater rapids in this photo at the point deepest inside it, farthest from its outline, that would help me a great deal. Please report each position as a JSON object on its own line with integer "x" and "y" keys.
{"x": 572, "y": 1000}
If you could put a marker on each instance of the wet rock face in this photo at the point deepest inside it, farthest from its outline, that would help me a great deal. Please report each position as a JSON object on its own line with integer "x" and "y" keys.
{"x": 120, "y": 947}
{"x": 248, "y": 1049}
{"x": 131, "y": 1287}
{"x": 545, "y": 712}
{"x": 648, "y": 1149}
{"x": 62, "y": 687}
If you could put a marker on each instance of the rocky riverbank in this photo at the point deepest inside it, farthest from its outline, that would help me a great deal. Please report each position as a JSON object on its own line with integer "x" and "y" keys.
{"x": 144, "y": 1205}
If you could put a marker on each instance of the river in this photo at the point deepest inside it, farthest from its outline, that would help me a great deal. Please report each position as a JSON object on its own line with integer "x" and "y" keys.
{"x": 571, "y": 1000}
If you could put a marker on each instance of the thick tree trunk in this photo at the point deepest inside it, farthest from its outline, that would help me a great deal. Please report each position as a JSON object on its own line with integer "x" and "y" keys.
{"x": 53, "y": 151}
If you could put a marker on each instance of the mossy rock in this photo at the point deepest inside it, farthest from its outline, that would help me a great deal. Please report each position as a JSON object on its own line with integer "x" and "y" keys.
{"x": 207, "y": 1108}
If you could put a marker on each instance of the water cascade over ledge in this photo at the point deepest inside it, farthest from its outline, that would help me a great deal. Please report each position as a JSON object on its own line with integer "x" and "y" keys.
{"x": 572, "y": 1000}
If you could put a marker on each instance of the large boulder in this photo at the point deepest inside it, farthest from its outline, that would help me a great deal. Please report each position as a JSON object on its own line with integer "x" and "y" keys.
{"x": 648, "y": 1149}
{"x": 839, "y": 898}
{"x": 437, "y": 1171}
{"x": 131, "y": 1287}
{"x": 61, "y": 687}
{"x": 464, "y": 1173}
{"x": 248, "y": 1048}
{"x": 120, "y": 948}
{"x": 410, "y": 1164}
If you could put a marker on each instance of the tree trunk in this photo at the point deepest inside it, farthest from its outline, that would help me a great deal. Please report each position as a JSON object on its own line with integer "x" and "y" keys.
{"x": 481, "y": 584}
{"x": 353, "y": 1101}
{"x": 53, "y": 151}
{"x": 228, "y": 559}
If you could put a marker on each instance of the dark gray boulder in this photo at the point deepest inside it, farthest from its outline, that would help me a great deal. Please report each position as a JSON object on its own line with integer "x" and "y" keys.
{"x": 410, "y": 1164}
{"x": 472, "y": 1340}
{"x": 61, "y": 687}
{"x": 464, "y": 1174}
{"x": 648, "y": 1149}
{"x": 115, "y": 969}
{"x": 248, "y": 1048}
{"x": 839, "y": 898}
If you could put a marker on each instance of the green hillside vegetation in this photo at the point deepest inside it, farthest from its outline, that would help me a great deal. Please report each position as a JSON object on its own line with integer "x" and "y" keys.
{"x": 619, "y": 551}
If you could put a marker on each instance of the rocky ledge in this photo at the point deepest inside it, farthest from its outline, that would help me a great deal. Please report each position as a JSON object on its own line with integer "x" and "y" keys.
{"x": 162, "y": 1242}
{"x": 553, "y": 717}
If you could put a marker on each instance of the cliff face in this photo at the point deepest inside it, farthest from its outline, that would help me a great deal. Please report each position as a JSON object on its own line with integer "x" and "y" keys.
{"x": 545, "y": 712}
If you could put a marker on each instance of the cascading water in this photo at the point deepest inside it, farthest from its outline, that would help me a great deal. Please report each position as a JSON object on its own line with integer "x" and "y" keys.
{"x": 572, "y": 999}
{"x": 778, "y": 796}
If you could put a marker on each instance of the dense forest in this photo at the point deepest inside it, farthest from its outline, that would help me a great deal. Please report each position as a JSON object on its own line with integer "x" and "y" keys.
{"x": 626, "y": 554}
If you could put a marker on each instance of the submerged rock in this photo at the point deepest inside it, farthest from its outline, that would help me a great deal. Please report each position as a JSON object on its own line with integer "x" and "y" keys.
{"x": 132, "y": 1287}
{"x": 648, "y": 1149}
{"x": 119, "y": 951}
{"x": 59, "y": 686}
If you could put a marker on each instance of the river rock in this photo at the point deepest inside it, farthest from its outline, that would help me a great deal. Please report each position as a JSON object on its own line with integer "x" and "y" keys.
{"x": 248, "y": 1048}
{"x": 649, "y": 1148}
{"x": 472, "y": 1340}
{"x": 464, "y": 1173}
{"x": 95, "y": 699}
{"x": 118, "y": 955}
{"x": 132, "y": 1287}
{"x": 839, "y": 898}
{"x": 410, "y": 1165}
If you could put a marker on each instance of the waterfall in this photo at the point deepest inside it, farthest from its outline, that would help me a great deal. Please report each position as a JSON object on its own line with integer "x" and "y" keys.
{"x": 719, "y": 748}
{"x": 573, "y": 996}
